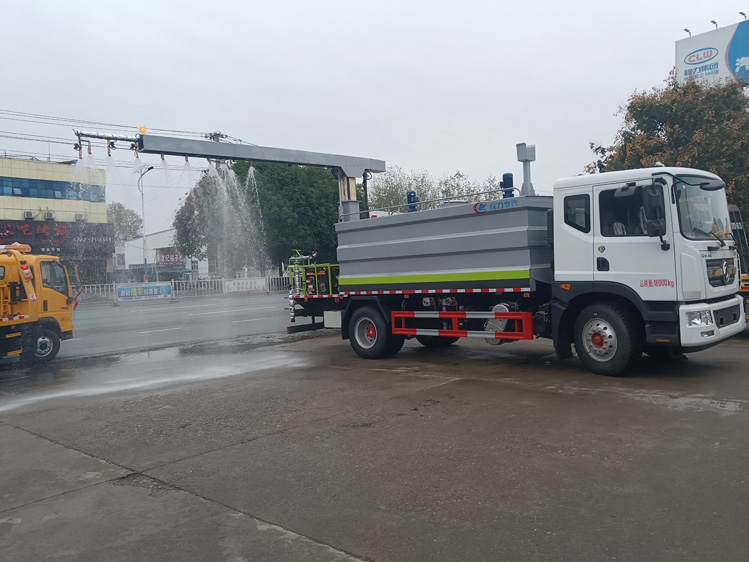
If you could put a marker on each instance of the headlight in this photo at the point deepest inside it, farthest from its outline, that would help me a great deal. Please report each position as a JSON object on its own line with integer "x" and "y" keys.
{"x": 699, "y": 318}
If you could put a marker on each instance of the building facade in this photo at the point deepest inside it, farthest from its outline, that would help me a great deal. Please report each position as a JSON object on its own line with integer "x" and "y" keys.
{"x": 45, "y": 205}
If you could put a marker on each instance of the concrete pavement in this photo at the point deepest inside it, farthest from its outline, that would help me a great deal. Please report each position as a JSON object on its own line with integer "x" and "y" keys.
{"x": 302, "y": 451}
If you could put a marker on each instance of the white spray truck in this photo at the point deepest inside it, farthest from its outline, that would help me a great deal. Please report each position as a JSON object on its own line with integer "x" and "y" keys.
{"x": 614, "y": 264}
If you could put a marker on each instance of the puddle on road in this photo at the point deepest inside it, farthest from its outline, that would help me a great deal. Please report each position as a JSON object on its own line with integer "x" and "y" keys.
{"x": 147, "y": 371}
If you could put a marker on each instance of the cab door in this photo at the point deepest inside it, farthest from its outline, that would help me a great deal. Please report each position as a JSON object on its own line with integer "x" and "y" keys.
{"x": 55, "y": 299}
{"x": 624, "y": 253}
{"x": 573, "y": 235}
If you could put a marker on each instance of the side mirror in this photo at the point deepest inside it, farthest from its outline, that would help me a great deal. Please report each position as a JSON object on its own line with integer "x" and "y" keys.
{"x": 656, "y": 227}
{"x": 655, "y": 212}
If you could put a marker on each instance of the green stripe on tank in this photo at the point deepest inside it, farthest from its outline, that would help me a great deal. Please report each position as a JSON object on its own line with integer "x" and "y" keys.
{"x": 436, "y": 277}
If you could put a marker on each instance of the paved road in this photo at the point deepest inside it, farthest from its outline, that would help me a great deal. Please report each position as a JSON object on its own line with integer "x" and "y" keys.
{"x": 102, "y": 328}
{"x": 302, "y": 451}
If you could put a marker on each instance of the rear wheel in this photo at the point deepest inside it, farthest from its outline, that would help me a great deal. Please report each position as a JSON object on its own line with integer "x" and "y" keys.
{"x": 606, "y": 339}
{"x": 368, "y": 334}
{"x": 436, "y": 341}
{"x": 394, "y": 344}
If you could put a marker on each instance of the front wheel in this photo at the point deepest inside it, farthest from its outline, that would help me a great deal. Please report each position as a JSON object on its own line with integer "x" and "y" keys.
{"x": 606, "y": 339}
{"x": 47, "y": 345}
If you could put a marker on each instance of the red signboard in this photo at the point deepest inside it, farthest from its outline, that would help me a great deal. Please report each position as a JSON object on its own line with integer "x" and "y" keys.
{"x": 169, "y": 257}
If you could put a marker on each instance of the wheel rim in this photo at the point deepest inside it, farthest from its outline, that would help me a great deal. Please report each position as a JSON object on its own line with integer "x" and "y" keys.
{"x": 365, "y": 333}
{"x": 599, "y": 340}
{"x": 44, "y": 346}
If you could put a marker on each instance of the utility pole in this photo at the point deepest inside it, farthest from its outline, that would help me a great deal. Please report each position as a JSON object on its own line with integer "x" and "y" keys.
{"x": 143, "y": 172}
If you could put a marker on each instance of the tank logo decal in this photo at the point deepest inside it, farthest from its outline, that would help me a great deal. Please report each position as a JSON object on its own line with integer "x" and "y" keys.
{"x": 484, "y": 206}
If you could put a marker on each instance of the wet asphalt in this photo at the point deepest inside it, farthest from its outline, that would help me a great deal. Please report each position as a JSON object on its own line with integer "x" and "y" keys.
{"x": 276, "y": 448}
{"x": 102, "y": 329}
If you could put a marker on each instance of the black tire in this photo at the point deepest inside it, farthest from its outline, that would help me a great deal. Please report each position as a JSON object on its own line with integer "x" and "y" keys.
{"x": 368, "y": 334}
{"x": 607, "y": 339}
{"x": 436, "y": 341}
{"x": 394, "y": 344}
{"x": 46, "y": 345}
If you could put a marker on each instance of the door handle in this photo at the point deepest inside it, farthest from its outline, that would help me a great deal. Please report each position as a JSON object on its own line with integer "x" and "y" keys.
{"x": 602, "y": 264}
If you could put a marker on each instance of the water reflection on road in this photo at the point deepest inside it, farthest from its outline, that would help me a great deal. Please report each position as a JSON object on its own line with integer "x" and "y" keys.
{"x": 136, "y": 373}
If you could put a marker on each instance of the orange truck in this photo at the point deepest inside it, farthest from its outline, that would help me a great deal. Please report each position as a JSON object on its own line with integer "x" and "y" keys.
{"x": 36, "y": 304}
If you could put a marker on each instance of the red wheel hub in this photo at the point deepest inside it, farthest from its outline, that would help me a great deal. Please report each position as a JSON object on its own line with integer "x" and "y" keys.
{"x": 371, "y": 332}
{"x": 597, "y": 340}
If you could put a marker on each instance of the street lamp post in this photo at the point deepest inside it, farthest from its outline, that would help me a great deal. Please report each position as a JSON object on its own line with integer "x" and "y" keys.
{"x": 144, "y": 170}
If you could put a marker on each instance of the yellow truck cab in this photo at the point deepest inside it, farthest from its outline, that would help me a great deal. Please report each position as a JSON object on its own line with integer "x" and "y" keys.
{"x": 36, "y": 304}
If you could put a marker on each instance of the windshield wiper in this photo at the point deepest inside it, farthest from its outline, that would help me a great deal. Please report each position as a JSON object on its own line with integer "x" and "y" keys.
{"x": 718, "y": 238}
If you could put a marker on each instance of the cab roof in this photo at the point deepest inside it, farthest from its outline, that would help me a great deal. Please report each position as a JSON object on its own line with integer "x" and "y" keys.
{"x": 638, "y": 174}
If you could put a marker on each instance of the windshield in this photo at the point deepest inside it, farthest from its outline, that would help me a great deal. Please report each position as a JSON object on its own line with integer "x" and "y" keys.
{"x": 703, "y": 213}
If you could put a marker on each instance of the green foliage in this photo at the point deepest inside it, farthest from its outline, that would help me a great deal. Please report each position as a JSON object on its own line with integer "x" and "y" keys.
{"x": 691, "y": 125}
{"x": 127, "y": 223}
{"x": 299, "y": 207}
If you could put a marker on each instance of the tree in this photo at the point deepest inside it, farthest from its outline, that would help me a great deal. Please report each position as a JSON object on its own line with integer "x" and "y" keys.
{"x": 389, "y": 189}
{"x": 690, "y": 124}
{"x": 299, "y": 207}
{"x": 291, "y": 207}
{"x": 127, "y": 223}
{"x": 192, "y": 222}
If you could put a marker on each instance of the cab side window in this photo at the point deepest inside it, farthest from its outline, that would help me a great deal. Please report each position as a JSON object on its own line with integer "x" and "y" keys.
{"x": 53, "y": 276}
{"x": 622, "y": 212}
{"x": 577, "y": 212}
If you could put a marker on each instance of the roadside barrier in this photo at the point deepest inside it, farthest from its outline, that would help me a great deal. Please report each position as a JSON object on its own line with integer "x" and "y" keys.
{"x": 278, "y": 284}
{"x": 175, "y": 290}
{"x": 96, "y": 293}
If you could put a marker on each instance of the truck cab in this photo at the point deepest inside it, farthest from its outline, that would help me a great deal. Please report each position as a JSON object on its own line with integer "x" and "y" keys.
{"x": 656, "y": 242}
{"x": 36, "y": 304}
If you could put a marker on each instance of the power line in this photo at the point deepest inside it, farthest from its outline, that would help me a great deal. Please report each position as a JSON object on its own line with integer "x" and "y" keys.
{"x": 67, "y": 121}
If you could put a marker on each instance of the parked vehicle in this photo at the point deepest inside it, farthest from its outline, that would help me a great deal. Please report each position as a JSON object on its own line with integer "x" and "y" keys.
{"x": 36, "y": 304}
{"x": 616, "y": 264}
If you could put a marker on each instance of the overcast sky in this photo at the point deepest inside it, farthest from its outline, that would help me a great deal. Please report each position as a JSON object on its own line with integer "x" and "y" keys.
{"x": 441, "y": 86}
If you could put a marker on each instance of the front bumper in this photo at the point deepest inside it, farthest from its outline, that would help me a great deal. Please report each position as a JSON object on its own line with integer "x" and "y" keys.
{"x": 728, "y": 320}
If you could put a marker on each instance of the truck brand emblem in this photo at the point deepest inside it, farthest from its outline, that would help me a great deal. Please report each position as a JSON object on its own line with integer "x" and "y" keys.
{"x": 726, "y": 273}
{"x": 482, "y": 207}
{"x": 602, "y": 249}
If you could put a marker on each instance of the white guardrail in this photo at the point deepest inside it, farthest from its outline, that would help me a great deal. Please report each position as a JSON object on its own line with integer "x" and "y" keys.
{"x": 174, "y": 290}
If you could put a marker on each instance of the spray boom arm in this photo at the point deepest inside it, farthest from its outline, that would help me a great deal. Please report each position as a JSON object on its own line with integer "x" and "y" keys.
{"x": 345, "y": 168}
